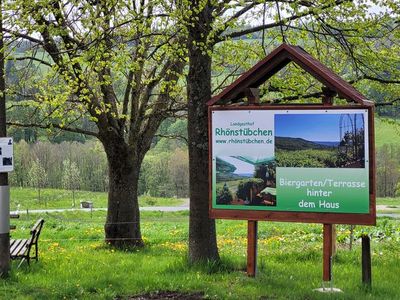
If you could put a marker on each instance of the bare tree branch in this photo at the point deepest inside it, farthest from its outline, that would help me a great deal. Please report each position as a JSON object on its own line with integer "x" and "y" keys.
{"x": 309, "y": 12}
{"x": 34, "y": 59}
{"x": 388, "y": 103}
{"x": 23, "y": 36}
{"x": 173, "y": 137}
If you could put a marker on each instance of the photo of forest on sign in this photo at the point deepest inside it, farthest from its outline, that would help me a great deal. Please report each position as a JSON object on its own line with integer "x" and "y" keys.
{"x": 245, "y": 180}
{"x": 320, "y": 140}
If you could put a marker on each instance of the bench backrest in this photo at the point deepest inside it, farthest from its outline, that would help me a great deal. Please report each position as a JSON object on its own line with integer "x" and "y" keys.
{"x": 35, "y": 231}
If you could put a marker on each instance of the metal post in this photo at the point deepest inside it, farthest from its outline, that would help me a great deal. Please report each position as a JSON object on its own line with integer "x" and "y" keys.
{"x": 4, "y": 228}
{"x": 4, "y": 189}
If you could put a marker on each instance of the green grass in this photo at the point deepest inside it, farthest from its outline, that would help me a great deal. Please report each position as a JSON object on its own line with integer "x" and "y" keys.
{"x": 386, "y": 132}
{"x": 392, "y": 205}
{"x": 75, "y": 263}
{"x": 388, "y": 201}
{"x": 27, "y": 198}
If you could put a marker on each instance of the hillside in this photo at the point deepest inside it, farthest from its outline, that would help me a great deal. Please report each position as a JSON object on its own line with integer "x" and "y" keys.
{"x": 288, "y": 143}
{"x": 387, "y": 131}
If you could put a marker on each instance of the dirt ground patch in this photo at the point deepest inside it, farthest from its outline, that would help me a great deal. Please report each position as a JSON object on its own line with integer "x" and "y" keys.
{"x": 167, "y": 295}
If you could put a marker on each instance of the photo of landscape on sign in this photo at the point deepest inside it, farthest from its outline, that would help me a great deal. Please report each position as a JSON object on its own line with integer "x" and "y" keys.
{"x": 320, "y": 140}
{"x": 252, "y": 180}
{"x": 312, "y": 161}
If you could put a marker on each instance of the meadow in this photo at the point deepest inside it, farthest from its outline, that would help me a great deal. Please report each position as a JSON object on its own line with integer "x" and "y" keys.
{"x": 75, "y": 263}
{"x": 27, "y": 198}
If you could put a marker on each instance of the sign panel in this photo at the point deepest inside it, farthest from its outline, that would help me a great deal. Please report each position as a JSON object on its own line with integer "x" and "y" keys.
{"x": 297, "y": 160}
{"x": 6, "y": 155}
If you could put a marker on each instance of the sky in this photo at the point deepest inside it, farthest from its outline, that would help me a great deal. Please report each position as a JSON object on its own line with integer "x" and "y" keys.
{"x": 311, "y": 127}
{"x": 241, "y": 166}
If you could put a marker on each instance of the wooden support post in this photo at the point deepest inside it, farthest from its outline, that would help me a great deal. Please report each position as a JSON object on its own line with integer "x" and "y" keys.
{"x": 366, "y": 261}
{"x": 327, "y": 253}
{"x": 252, "y": 248}
{"x": 327, "y": 96}
{"x": 351, "y": 237}
{"x": 334, "y": 245}
{"x": 253, "y": 96}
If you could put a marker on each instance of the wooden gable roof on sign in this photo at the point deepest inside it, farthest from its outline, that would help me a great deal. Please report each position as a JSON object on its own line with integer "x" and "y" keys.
{"x": 278, "y": 59}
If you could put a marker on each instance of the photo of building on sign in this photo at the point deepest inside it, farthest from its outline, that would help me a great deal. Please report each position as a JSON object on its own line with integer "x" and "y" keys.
{"x": 245, "y": 180}
{"x": 320, "y": 140}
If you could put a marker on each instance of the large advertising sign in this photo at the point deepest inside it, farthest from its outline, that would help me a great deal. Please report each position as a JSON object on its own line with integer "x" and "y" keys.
{"x": 290, "y": 160}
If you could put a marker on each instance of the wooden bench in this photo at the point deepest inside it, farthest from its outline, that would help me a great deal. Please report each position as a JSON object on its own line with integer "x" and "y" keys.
{"x": 22, "y": 248}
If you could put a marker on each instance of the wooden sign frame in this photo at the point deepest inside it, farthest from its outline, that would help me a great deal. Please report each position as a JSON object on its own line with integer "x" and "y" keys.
{"x": 305, "y": 217}
{"x": 246, "y": 89}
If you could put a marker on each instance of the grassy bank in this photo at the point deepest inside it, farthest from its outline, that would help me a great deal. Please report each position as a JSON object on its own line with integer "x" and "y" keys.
{"x": 76, "y": 264}
{"x": 28, "y": 198}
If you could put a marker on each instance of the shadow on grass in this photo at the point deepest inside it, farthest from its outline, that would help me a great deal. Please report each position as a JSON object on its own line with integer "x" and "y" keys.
{"x": 173, "y": 295}
{"x": 223, "y": 266}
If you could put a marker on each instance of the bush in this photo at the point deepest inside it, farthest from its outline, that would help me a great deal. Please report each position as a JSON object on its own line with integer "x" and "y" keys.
{"x": 224, "y": 195}
{"x": 245, "y": 186}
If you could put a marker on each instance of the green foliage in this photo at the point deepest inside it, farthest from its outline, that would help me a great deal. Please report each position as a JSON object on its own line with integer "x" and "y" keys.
{"x": 388, "y": 170}
{"x": 387, "y": 131}
{"x": 224, "y": 195}
{"x": 155, "y": 172}
{"x": 248, "y": 188}
{"x": 84, "y": 166}
{"x": 37, "y": 176}
{"x": 90, "y": 158}
{"x": 71, "y": 178}
{"x": 266, "y": 171}
{"x": 175, "y": 133}
{"x": 165, "y": 174}
{"x": 306, "y": 158}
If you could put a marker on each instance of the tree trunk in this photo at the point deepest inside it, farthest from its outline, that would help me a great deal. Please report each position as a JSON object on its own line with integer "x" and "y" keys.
{"x": 202, "y": 237}
{"x": 122, "y": 228}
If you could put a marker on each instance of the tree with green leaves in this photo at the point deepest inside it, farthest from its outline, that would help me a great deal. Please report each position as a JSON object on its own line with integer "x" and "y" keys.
{"x": 358, "y": 40}
{"x": 71, "y": 178}
{"x": 114, "y": 63}
{"x": 37, "y": 177}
